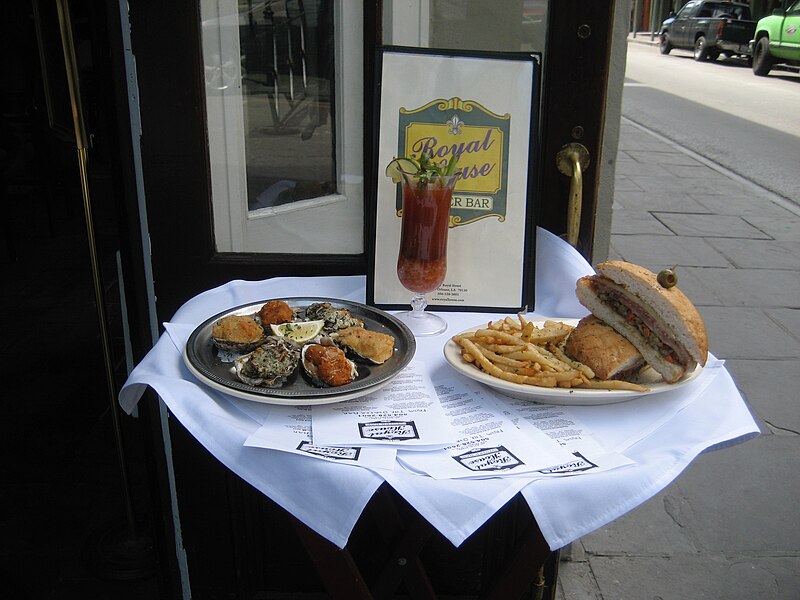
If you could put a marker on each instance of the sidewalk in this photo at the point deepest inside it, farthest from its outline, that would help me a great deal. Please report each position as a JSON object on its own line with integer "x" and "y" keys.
{"x": 728, "y": 527}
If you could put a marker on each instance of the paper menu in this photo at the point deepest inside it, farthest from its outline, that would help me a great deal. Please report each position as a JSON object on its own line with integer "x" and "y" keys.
{"x": 559, "y": 424}
{"x": 288, "y": 428}
{"x": 406, "y": 413}
{"x": 488, "y": 442}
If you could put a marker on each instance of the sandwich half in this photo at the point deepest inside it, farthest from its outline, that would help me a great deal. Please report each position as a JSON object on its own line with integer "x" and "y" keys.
{"x": 606, "y": 352}
{"x": 661, "y": 322}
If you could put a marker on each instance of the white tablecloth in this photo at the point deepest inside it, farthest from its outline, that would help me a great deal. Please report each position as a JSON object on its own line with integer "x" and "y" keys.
{"x": 330, "y": 498}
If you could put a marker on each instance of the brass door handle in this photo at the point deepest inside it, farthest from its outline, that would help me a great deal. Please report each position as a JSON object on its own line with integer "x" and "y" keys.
{"x": 572, "y": 160}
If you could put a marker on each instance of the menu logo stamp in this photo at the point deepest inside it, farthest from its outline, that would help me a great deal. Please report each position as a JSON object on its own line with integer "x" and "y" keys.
{"x": 498, "y": 458}
{"x": 578, "y": 465}
{"x": 389, "y": 430}
{"x": 334, "y": 452}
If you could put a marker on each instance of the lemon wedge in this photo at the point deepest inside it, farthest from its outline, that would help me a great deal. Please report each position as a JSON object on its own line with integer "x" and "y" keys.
{"x": 300, "y": 332}
{"x": 401, "y": 165}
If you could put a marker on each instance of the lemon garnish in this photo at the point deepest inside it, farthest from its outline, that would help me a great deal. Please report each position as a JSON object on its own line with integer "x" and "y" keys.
{"x": 302, "y": 331}
{"x": 401, "y": 165}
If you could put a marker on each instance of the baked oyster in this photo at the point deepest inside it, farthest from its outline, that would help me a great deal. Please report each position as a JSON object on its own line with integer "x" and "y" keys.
{"x": 372, "y": 346}
{"x": 327, "y": 366}
{"x": 269, "y": 365}
{"x": 335, "y": 318}
{"x": 238, "y": 333}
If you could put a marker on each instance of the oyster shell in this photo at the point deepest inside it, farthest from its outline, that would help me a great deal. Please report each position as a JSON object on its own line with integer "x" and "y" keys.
{"x": 327, "y": 366}
{"x": 370, "y": 345}
{"x": 335, "y": 318}
{"x": 269, "y": 365}
{"x": 239, "y": 333}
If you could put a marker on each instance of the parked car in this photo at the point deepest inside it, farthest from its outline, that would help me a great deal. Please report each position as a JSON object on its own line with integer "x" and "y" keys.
{"x": 777, "y": 40}
{"x": 709, "y": 28}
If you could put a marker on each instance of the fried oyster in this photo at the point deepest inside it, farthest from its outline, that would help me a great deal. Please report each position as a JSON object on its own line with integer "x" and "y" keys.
{"x": 327, "y": 365}
{"x": 269, "y": 365}
{"x": 371, "y": 345}
{"x": 275, "y": 312}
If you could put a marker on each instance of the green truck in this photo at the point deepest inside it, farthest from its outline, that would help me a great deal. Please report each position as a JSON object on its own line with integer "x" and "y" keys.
{"x": 777, "y": 40}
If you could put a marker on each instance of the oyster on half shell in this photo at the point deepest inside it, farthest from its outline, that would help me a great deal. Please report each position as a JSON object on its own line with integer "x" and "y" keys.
{"x": 269, "y": 365}
{"x": 239, "y": 333}
{"x": 335, "y": 318}
{"x": 327, "y": 365}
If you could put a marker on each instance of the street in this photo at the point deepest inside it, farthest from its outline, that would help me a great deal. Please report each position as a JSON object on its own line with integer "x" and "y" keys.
{"x": 750, "y": 125}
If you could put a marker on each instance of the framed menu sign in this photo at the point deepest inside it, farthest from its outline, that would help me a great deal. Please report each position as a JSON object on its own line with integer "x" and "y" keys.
{"x": 481, "y": 108}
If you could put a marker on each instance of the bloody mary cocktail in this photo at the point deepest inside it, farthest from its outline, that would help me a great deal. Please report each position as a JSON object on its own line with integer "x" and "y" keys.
{"x": 422, "y": 260}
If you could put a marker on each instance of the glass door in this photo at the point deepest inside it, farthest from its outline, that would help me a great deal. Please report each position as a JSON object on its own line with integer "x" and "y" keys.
{"x": 255, "y": 135}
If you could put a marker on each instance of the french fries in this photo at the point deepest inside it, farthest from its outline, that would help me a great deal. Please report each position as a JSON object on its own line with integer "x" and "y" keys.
{"x": 518, "y": 351}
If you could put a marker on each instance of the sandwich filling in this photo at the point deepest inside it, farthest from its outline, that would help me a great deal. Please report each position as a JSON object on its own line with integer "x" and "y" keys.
{"x": 655, "y": 333}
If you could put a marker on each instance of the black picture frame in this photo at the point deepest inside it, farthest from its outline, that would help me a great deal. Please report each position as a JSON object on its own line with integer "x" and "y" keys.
{"x": 496, "y": 273}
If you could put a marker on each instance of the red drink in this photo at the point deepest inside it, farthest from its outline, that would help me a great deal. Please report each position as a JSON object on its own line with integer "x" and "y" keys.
{"x": 422, "y": 262}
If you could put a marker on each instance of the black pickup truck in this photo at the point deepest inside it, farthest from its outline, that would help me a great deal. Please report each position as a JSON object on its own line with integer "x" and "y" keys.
{"x": 709, "y": 28}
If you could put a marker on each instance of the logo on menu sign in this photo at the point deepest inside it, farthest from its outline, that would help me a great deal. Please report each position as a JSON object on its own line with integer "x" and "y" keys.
{"x": 478, "y": 137}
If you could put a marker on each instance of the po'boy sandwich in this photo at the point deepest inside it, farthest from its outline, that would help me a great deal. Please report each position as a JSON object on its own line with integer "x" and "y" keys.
{"x": 660, "y": 321}
{"x": 603, "y": 350}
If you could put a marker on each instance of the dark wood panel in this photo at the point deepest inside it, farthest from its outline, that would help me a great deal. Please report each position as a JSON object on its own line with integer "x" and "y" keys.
{"x": 575, "y": 82}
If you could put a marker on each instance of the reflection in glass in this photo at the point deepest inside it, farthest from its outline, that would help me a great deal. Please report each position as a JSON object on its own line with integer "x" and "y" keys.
{"x": 287, "y": 88}
{"x": 511, "y": 25}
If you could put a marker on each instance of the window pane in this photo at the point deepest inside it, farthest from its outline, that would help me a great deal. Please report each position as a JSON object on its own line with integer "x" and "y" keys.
{"x": 284, "y": 91}
{"x": 287, "y": 86}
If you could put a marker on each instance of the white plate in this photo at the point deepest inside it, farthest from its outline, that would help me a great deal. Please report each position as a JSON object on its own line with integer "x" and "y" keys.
{"x": 573, "y": 396}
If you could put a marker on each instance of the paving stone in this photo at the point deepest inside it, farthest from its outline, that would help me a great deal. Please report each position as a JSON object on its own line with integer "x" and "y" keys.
{"x": 666, "y": 158}
{"x": 613, "y": 253}
{"x": 649, "y": 250}
{"x": 647, "y": 530}
{"x": 742, "y": 205}
{"x": 638, "y": 199}
{"x": 771, "y": 392}
{"x": 624, "y": 157}
{"x": 759, "y": 254}
{"x": 788, "y": 318}
{"x": 709, "y": 225}
{"x": 623, "y": 184}
{"x": 746, "y": 333}
{"x": 787, "y": 230}
{"x": 641, "y": 169}
{"x": 697, "y": 171}
{"x": 576, "y": 582}
{"x": 742, "y": 500}
{"x": 633, "y": 142}
{"x": 689, "y": 185}
{"x": 637, "y": 221}
{"x": 691, "y": 577}
{"x": 752, "y": 287}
